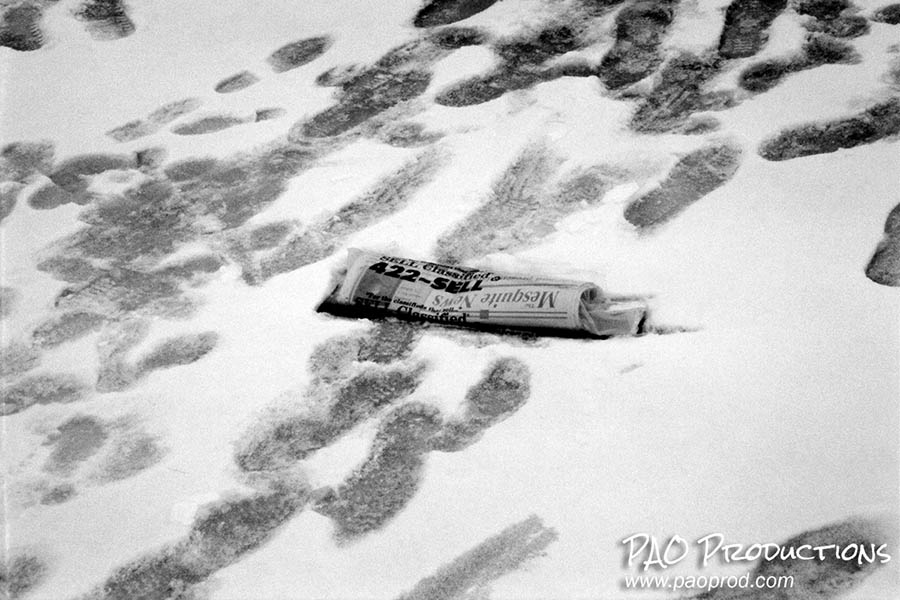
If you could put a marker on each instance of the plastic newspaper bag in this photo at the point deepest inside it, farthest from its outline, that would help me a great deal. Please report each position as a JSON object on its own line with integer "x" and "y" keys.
{"x": 380, "y": 285}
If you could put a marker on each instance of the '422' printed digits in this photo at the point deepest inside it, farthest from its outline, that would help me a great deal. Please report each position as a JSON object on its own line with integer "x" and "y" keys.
{"x": 414, "y": 275}
{"x": 383, "y": 268}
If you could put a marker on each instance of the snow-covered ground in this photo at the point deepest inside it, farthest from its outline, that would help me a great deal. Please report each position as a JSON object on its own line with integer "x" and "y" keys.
{"x": 765, "y": 404}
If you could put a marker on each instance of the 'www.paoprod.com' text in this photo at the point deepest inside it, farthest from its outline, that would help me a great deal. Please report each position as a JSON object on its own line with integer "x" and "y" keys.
{"x": 704, "y": 582}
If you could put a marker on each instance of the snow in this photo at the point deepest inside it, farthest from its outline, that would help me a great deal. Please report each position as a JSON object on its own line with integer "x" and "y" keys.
{"x": 778, "y": 415}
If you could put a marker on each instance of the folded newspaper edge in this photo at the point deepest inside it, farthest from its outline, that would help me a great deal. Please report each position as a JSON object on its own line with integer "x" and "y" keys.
{"x": 381, "y": 285}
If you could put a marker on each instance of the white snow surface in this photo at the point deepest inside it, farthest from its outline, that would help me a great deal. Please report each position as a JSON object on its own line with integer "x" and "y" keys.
{"x": 777, "y": 415}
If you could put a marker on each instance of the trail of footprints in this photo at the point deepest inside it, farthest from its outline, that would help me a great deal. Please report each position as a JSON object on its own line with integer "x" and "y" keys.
{"x": 150, "y": 220}
{"x": 154, "y": 121}
{"x": 174, "y": 205}
{"x": 355, "y": 378}
{"x": 111, "y": 289}
{"x": 286, "y": 58}
{"x": 224, "y": 531}
{"x": 374, "y": 376}
{"x": 404, "y": 73}
{"x": 116, "y": 371}
{"x": 115, "y": 283}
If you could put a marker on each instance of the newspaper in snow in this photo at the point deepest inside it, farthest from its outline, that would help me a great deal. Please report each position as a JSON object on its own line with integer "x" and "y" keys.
{"x": 424, "y": 291}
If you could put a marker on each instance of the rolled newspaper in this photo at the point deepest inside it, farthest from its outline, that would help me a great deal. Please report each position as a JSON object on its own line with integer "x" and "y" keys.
{"x": 377, "y": 285}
